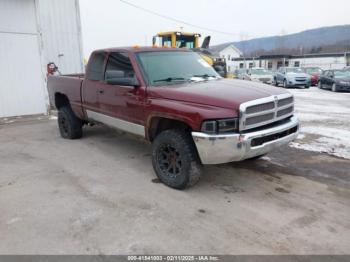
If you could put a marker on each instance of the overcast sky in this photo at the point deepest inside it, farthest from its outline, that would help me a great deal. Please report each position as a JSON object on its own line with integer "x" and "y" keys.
{"x": 108, "y": 23}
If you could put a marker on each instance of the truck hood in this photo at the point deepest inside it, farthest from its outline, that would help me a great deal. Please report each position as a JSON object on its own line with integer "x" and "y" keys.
{"x": 225, "y": 93}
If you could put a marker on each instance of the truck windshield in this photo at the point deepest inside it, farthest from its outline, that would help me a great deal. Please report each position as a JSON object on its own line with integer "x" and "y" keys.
{"x": 170, "y": 67}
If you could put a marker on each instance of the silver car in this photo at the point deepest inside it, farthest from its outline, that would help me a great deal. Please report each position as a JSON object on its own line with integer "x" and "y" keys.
{"x": 292, "y": 77}
{"x": 258, "y": 74}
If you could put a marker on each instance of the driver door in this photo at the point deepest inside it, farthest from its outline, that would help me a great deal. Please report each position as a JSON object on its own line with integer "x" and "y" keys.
{"x": 122, "y": 102}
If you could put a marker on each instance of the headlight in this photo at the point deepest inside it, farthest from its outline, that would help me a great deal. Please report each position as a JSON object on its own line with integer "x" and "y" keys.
{"x": 220, "y": 126}
{"x": 344, "y": 83}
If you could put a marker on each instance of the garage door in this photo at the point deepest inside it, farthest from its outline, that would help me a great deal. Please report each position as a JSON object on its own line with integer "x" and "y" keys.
{"x": 22, "y": 88}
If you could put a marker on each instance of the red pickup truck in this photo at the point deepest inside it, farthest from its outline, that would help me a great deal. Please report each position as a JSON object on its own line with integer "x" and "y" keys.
{"x": 175, "y": 100}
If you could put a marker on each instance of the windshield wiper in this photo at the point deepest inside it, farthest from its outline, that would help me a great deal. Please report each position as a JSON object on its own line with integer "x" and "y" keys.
{"x": 205, "y": 76}
{"x": 170, "y": 79}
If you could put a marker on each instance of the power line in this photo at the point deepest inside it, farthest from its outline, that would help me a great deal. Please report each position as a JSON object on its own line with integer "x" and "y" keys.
{"x": 177, "y": 20}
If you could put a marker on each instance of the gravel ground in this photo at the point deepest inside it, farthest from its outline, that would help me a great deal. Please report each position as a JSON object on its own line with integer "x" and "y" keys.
{"x": 99, "y": 195}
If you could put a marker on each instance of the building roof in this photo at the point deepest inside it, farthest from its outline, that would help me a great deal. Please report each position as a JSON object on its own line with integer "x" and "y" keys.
{"x": 216, "y": 49}
{"x": 281, "y": 56}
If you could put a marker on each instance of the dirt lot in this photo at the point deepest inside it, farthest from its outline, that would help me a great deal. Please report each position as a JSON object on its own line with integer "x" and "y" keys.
{"x": 99, "y": 195}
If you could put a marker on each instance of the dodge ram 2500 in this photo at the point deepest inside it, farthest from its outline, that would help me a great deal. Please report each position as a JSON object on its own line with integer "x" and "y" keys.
{"x": 175, "y": 100}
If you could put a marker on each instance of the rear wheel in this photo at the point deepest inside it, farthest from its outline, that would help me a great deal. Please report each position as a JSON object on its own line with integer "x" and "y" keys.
{"x": 69, "y": 125}
{"x": 275, "y": 82}
{"x": 175, "y": 159}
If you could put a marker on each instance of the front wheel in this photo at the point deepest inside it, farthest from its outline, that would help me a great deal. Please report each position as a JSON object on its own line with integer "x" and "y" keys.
{"x": 285, "y": 85}
{"x": 175, "y": 160}
{"x": 275, "y": 82}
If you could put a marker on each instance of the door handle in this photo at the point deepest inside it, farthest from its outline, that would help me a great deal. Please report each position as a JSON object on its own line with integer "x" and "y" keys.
{"x": 101, "y": 91}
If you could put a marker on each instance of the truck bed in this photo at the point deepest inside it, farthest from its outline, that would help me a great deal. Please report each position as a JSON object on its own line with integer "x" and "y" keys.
{"x": 69, "y": 86}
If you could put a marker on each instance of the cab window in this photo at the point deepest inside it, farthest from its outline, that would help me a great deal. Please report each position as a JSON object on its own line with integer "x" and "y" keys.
{"x": 119, "y": 66}
{"x": 96, "y": 67}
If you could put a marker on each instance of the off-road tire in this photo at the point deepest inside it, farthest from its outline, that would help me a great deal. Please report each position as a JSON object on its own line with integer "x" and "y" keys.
{"x": 186, "y": 154}
{"x": 69, "y": 125}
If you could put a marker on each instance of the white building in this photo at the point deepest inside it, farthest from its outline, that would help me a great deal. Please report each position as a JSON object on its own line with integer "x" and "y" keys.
{"x": 273, "y": 62}
{"x": 32, "y": 34}
{"x": 227, "y": 51}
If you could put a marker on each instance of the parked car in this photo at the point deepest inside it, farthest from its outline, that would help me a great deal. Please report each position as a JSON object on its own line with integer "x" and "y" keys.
{"x": 314, "y": 73}
{"x": 175, "y": 100}
{"x": 347, "y": 68}
{"x": 335, "y": 80}
{"x": 239, "y": 73}
{"x": 292, "y": 77}
{"x": 258, "y": 74}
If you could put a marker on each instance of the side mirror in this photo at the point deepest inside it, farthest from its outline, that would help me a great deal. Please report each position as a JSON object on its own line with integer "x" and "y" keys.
{"x": 154, "y": 40}
{"x": 331, "y": 76}
{"x": 123, "y": 81}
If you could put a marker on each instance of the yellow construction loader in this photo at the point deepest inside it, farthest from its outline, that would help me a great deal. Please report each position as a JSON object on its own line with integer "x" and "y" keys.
{"x": 179, "y": 39}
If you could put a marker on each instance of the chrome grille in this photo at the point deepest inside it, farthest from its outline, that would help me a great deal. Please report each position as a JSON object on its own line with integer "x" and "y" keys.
{"x": 259, "y": 108}
{"x": 285, "y": 111}
{"x": 258, "y": 119}
{"x": 285, "y": 101}
{"x": 265, "y": 111}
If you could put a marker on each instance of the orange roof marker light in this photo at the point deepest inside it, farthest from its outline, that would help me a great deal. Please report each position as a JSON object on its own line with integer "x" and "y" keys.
{"x": 136, "y": 46}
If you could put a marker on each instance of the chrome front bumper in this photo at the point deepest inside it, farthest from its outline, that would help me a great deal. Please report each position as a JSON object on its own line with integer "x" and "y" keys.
{"x": 218, "y": 149}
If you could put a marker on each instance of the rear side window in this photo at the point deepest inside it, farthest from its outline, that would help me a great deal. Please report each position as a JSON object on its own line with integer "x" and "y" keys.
{"x": 96, "y": 67}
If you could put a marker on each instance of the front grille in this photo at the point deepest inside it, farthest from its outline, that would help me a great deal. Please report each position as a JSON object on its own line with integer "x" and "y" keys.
{"x": 285, "y": 111}
{"x": 259, "y": 119}
{"x": 300, "y": 79}
{"x": 259, "y": 108}
{"x": 285, "y": 101}
{"x": 265, "y": 111}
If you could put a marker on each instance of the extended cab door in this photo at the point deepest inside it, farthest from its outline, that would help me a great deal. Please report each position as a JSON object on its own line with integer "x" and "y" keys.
{"x": 93, "y": 84}
{"x": 121, "y": 100}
